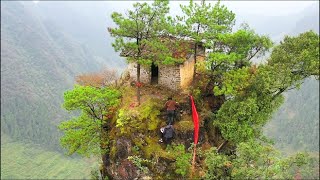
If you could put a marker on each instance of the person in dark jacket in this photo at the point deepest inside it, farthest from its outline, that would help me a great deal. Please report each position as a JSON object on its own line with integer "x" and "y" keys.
{"x": 171, "y": 107}
{"x": 167, "y": 134}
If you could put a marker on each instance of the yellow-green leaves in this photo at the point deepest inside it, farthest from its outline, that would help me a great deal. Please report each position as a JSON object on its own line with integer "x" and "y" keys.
{"x": 298, "y": 54}
{"x": 254, "y": 160}
{"x": 84, "y": 134}
{"x": 139, "y": 119}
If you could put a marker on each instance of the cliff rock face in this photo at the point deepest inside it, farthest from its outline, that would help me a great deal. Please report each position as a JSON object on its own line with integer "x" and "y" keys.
{"x": 122, "y": 168}
{"x": 135, "y": 150}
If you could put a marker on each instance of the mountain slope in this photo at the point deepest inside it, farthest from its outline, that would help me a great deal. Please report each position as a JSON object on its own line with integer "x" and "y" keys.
{"x": 87, "y": 22}
{"x": 295, "y": 127}
{"x": 27, "y": 161}
{"x": 38, "y": 63}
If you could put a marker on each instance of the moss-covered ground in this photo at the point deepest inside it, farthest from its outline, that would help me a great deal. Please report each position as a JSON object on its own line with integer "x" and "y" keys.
{"x": 141, "y": 125}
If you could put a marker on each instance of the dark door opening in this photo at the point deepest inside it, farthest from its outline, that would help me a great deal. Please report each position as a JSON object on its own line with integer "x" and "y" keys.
{"x": 154, "y": 74}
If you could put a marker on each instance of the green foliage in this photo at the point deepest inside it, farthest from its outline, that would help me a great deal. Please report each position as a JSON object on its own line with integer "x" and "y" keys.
{"x": 213, "y": 25}
{"x": 228, "y": 65}
{"x": 241, "y": 119}
{"x": 184, "y": 125}
{"x": 236, "y": 51}
{"x": 123, "y": 119}
{"x": 256, "y": 161}
{"x": 21, "y": 160}
{"x": 140, "y": 163}
{"x": 85, "y": 134}
{"x": 149, "y": 111}
{"x": 31, "y": 99}
{"x": 88, "y": 98}
{"x": 138, "y": 33}
{"x": 204, "y": 21}
{"x": 183, "y": 159}
{"x": 295, "y": 127}
{"x": 139, "y": 119}
{"x": 251, "y": 104}
{"x": 235, "y": 82}
{"x": 94, "y": 175}
{"x": 216, "y": 164}
{"x": 196, "y": 92}
{"x": 154, "y": 149}
{"x": 297, "y": 56}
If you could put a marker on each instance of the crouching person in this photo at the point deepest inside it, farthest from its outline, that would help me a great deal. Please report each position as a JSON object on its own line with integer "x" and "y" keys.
{"x": 167, "y": 134}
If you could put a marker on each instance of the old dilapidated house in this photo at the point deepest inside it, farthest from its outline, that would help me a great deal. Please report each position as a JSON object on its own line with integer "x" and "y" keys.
{"x": 177, "y": 76}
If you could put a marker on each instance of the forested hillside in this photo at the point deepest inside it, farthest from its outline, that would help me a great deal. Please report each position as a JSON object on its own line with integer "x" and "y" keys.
{"x": 119, "y": 122}
{"x": 86, "y": 22}
{"x": 38, "y": 63}
{"x": 44, "y": 46}
{"x": 295, "y": 127}
{"x": 29, "y": 161}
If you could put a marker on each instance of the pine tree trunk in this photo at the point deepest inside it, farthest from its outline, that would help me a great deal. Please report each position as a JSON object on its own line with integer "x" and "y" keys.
{"x": 138, "y": 83}
{"x": 195, "y": 60}
{"x": 105, "y": 164}
{"x": 104, "y": 148}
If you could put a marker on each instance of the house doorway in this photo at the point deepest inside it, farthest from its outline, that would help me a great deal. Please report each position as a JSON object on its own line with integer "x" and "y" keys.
{"x": 154, "y": 74}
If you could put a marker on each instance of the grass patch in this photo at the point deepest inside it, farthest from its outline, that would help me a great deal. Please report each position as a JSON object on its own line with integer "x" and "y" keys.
{"x": 184, "y": 125}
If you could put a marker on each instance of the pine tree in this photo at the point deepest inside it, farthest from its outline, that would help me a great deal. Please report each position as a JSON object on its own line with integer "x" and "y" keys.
{"x": 87, "y": 134}
{"x": 138, "y": 33}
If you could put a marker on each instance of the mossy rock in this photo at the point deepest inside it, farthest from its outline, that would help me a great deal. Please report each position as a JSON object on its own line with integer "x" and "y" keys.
{"x": 153, "y": 147}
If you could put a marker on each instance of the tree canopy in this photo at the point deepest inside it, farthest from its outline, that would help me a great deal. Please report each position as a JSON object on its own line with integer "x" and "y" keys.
{"x": 255, "y": 96}
{"x": 236, "y": 97}
{"x": 83, "y": 133}
{"x": 137, "y": 35}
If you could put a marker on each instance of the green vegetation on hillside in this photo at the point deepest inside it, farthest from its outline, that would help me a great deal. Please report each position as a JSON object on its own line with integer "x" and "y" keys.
{"x": 89, "y": 133}
{"x": 296, "y": 125}
{"x": 137, "y": 36}
{"x": 234, "y": 97}
{"x": 38, "y": 63}
{"x": 30, "y": 161}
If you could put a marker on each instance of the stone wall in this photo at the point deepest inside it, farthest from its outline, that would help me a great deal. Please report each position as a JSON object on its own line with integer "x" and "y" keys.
{"x": 174, "y": 77}
{"x": 169, "y": 76}
{"x": 145, "y": 73}
{"x": 186, "y": 73}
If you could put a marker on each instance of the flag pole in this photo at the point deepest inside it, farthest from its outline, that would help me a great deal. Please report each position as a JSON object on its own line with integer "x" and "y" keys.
{"x": 193, "y": 160}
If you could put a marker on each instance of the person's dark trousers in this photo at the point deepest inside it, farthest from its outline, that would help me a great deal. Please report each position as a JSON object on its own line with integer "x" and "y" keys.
{"x": 170, "y": 116}
{"x": 167, "y": 140}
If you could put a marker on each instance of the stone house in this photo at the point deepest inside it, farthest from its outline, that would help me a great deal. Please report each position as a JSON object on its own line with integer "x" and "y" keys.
{"x": 175, "y": 77}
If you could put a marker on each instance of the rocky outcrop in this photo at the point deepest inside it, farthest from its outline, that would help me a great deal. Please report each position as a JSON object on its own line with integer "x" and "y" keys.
{"x": 136, "y": 152}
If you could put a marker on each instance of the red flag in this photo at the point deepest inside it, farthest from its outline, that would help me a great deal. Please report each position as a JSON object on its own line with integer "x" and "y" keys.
{"x": 195, "y": 118}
